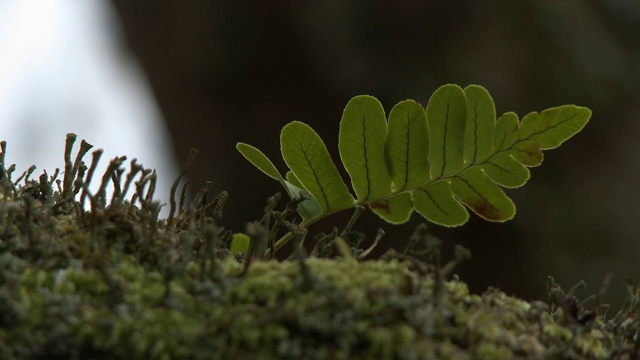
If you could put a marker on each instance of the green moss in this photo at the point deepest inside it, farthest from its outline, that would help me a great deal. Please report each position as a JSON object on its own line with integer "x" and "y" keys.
{"x": 371, "y": 309}
{"x": 114, "y": 282}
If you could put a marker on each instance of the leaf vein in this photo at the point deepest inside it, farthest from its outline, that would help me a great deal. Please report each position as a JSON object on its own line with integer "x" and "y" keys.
{"x": 444, "y": 143}
{"x": 477, "y": 193}
{"x": 407, "y": 153}
{"x": 313, "y": 170}
{"x": 366, "y": 157}
{"x": 433, "y": 201}
{"x": 500, "y": 167}
{"x": 549, "y": 128}
{"x": 475, "y": 115}
{"x": 504, "y": 138}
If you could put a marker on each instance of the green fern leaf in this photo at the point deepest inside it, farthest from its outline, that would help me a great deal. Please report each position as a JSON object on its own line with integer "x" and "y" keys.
{"x": 308, "y": 208}
{"x": 291, "y": 178}
{"x": 504, "y": 169}
{"x": 308, "y": 158}
{"x": 363, "y": 133}
{"x": 446, "y": 118}
{"x": 474, "y": 189}
{"x": 396, "y": 209}
{"x": 407, "y": 158}
{"x": 259, "y": 160}
{"x": 506, "y": 132}
{"x": 438, "y": 204}
{"x": 430, "y": 160}
{"x": 407, "y": 147}
{"x": 480, "y": 125}
{"x": 552, "y": 127}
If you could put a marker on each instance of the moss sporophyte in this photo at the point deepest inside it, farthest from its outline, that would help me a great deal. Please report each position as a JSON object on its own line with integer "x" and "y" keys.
{"x": 84, "y": 275}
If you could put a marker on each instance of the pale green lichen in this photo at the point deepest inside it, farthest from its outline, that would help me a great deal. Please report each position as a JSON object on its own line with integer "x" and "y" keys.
{"x": 115, "y": 283}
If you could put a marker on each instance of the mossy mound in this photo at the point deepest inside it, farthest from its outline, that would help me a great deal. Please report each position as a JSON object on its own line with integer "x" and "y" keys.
{"x": 345, "y": 310}
{"x": 117, "y": 283}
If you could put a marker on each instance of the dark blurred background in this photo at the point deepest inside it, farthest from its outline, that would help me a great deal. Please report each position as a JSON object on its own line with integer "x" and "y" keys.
{"x": 229, "y": 71}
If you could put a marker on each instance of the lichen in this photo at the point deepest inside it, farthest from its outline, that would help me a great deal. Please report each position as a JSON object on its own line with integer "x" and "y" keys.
{"x": 115, "y": 282}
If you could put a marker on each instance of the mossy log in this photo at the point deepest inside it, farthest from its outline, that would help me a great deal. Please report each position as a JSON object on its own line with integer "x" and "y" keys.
{"x": 86, "y": 278}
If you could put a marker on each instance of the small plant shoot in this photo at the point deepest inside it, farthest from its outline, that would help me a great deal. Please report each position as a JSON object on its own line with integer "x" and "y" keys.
{"x": 439, "y": 160}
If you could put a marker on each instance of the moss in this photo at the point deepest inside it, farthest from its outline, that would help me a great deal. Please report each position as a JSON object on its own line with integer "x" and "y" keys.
{"x": 115, "y": 282}
{"x": 354, "y": 310}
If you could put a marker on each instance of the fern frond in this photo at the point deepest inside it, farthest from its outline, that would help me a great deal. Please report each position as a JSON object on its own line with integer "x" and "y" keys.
{"x": 432, "y": 160}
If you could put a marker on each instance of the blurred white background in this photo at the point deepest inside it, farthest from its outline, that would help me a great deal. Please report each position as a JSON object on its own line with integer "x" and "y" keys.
{"x": 64, "y": 68}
